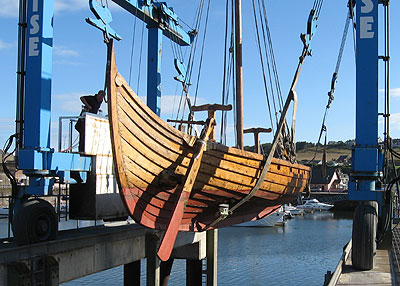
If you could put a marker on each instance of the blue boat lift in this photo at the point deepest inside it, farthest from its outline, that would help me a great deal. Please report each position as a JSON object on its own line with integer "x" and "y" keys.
{"x": 34, "y": 156}
{"x": 43, "y": 164}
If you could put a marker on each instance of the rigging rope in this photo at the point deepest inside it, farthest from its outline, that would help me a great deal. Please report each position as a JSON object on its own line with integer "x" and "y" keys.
{"x": 333, "y": 82}
{"x": 272, "y": 55}
{"x": 317, "y": 7}
{"x": 140, "y": 57}
{"x": 226, "y": 75}
{"x": 268, "y": 64}
{"x": 132, "y": 49}
{"x": 185, "y": 99}
{"x": 193, "y": 49}
{"x": 262, "y": 64}
{"x": 9, "y": 174}
{"x": 265, "y": 26}
{"x": 351, "y": 5}
{"x": 202, "y": 51}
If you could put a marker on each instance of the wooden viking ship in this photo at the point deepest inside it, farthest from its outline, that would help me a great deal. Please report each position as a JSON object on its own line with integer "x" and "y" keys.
{"x": 173, "y": 181}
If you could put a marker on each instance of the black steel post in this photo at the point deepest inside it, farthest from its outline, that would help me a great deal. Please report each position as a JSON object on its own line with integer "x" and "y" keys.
{"x": 132, "y": 274}
{"x": 194, "y": 269}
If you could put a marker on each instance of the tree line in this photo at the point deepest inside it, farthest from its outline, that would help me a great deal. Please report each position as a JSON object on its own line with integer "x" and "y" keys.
{"x": 302, "y": 145}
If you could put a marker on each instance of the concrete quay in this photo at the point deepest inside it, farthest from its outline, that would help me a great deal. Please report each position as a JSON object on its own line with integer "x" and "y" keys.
{"x": 80, "y": 252}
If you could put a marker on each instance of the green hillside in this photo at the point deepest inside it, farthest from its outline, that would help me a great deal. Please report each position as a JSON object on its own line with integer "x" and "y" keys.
{"x": 307, "y": 150}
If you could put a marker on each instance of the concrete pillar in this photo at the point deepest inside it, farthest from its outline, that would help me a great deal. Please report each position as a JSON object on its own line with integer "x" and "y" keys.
{"x": 39, "y": 270}
{"x": 194, "y": 269}
{"x": 212, "y": 257}
{"x": 132, "y": 274}
{"x": 18, "y": 274}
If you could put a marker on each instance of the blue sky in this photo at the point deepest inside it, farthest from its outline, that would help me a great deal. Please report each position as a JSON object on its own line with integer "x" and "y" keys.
{"x": 79, "y": 63}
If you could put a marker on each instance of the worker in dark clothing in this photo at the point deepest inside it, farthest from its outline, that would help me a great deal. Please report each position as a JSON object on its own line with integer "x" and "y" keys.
{"x": 91, "y": 104}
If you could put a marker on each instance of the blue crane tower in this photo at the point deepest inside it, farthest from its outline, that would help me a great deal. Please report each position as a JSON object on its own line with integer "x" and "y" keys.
{"x": 34, "y": 219}
{"x": 367, "y": 155}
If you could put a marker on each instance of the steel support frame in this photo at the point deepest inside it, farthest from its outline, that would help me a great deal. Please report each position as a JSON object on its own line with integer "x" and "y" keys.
{"x": 157, "y": 13}
{"x": 154, "y": 69}
{"x": 367, "y": 156}
{"x": 35, "y": 157}
{"x": 39, "y": 51}
{"x": 161, "y": 20}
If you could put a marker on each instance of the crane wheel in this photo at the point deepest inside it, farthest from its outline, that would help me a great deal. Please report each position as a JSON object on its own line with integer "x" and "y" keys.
{"x": 35, "y": 221}
{"x": 365, "y": 222}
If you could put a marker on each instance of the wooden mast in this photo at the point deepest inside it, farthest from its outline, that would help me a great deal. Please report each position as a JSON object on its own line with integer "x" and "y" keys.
{"x": 239, "y": 73}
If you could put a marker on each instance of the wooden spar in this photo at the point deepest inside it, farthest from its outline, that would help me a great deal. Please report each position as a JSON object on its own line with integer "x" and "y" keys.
{"x": 256, "y": 132}
{"x": 212, "y": 108}
{"x": 239, "y": 73}
{"x": 183, "y": 193}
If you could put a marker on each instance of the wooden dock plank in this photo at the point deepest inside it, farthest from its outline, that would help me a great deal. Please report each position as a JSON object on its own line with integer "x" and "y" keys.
{"x": 380, "y": 275}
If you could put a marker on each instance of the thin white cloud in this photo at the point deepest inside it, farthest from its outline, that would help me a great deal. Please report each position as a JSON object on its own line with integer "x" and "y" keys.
{"x": 394, "y": 92}
{"x": 66, "y": 62}
{"x": 7, "y": 127}
{"x": 70, "y": 5}
{"x": 65, "y": 52}
{"x": 5, "y": 45}
{"x": 9, "y": 8}
{"x": 395, "y": 121}
{"x": 78, "y": 5}
{"x": 169, "y": 105}
{"x": 68, "y": 103}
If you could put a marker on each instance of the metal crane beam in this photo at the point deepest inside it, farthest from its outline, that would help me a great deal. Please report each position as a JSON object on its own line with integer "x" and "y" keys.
{"x": 157, "y": 14}
{"x": 161, "y": 20}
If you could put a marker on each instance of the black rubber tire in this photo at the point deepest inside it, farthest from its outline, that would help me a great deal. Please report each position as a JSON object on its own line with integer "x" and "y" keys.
{"x": 35, "y": 221}
{"x": 365, "y": 222}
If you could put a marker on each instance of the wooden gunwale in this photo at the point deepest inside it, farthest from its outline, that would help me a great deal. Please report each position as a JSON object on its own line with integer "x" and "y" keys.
{"x": 216, "y": 186}
{"x": 237, "y": 152}
{"x": 240, "y": 177}
{"x": 211, "y": 186}
{"x": 164, "y": 196}
{"x": 223, "y": 165}
{"x": 168, "y": 156}
{"x": 274, "y": 182}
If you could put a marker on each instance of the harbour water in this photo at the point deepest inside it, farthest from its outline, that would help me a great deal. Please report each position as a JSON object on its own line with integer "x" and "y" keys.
{"x": 299, "y": 253}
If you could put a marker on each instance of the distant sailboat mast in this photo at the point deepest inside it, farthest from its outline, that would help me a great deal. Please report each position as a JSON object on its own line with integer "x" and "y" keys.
{"x": 239, "y": 73}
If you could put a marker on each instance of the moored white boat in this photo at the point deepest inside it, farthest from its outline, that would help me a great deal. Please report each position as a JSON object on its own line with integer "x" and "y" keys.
{"x": 314, "y": 204}
{"x": 292, "y": 210}
{"x": 273, "y": 219}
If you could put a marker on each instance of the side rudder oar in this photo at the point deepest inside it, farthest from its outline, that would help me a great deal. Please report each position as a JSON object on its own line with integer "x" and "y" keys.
{"x": 183, "y": 192}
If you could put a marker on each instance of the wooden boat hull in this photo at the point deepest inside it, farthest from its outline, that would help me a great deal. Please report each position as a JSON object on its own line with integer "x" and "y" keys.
{"x": 152, "y": 157}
